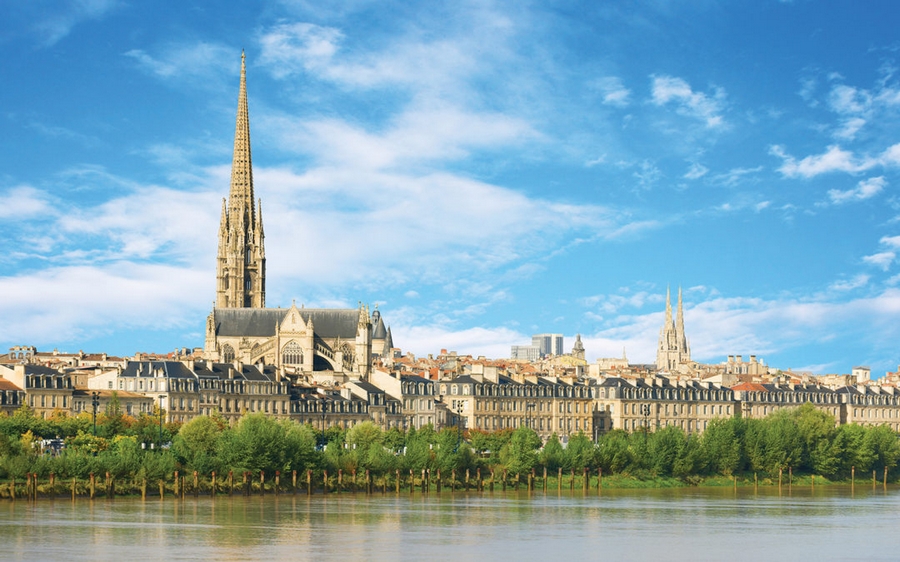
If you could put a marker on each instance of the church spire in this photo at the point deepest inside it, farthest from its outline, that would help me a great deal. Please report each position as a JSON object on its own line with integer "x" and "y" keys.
{"x": 240, "y": 199}
{"x": 241, "y": 267}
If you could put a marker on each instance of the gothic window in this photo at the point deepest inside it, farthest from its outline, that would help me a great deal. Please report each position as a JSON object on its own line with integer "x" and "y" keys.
{"x": 249, "y": 284}
{"x": 292, "y": 354}
{"x": 227, "y": 353}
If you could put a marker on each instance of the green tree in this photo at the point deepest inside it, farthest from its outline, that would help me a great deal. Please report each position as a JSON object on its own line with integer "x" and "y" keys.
{"x": 520, "y": 454}
{"x": 552, "y": 457}
{"x": 197, "y": 444}
{"x": 722, "y": 446}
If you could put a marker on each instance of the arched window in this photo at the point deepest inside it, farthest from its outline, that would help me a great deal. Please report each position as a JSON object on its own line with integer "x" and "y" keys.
{"x": 227, "y": 353}
{"x": 292, "y": 354}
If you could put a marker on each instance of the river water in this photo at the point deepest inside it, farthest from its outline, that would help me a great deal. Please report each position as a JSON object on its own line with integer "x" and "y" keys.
{"x": 684, "y": 524}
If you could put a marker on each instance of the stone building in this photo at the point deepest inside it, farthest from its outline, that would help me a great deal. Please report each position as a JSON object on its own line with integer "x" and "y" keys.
{"x": 673, "y": 348}
{"x": 46, "y": 389}
{"x": 656, "y": 402}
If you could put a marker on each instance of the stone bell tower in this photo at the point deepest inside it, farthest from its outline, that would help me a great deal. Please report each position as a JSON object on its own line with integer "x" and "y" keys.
{"x": 241, "y": 259}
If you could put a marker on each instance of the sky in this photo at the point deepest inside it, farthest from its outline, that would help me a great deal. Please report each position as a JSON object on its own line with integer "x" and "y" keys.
{"x": 481, "y": 171}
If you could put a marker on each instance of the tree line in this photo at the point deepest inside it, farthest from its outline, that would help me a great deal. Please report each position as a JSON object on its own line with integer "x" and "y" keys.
{"x": 804, "y": 440}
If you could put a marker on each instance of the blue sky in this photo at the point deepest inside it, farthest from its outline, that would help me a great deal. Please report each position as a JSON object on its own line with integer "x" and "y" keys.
{"x": 480, "y": 170}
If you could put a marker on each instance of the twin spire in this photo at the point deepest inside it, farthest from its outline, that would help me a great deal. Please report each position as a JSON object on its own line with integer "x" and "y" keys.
{"x": 673, "y": 348}
{"x": 241, "y": 259}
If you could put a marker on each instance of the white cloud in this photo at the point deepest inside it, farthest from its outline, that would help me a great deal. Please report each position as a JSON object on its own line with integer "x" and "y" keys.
{"x": 892, "y": 241}
{"x": 707, "y": 108}
{"x": 833, "y": 160}
{"x": 289, "y": 48}
{"x": 69, "y": 304}
{"x": 722, "y": 326}
{"x": 613, "y": 91}
{"x": 57, "y": 26}
{"x": 856, "y": 282}
{"x": 197, "y": 62}
{"x": 882, "y": 260}
{"x": 23, "y": 203}
{"x": 696, "y": 171}
{"x": 865, "y": 189}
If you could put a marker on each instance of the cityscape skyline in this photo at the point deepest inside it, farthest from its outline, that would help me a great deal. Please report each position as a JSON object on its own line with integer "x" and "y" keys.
{"x": 482, "y": 174}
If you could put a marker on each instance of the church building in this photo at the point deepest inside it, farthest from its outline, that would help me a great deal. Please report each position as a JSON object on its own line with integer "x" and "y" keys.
{"x": 673, "y": 349}
{"x": 301, "y": 341}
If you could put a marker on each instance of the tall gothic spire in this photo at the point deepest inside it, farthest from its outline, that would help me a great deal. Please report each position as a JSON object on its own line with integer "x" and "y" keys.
{"x": 679, "y": 319}
{"x": 241, "y": 260}
{"x": 668, "y": 309}
{"x": 240, "y": 198}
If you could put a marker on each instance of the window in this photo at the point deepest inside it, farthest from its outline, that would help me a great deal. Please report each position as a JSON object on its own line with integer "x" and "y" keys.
{"x": 227, "y": 353}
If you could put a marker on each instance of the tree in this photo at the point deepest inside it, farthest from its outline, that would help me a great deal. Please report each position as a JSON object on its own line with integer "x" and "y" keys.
{"x": 520, "y": 454}
{"x": 579, "y": 453}
{"x": 553, "y": 455}
{"x": 722, "y": 446}
{"x": 197, "y": 444}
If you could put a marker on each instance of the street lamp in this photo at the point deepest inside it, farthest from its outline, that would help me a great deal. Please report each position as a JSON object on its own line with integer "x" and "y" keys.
{"x": 459, "y": 412}
{"x": 160, "y": 423}
{"x": 324, "y": 439}
{"x": 95, "y": 401}
{"x": 645, "y": 411}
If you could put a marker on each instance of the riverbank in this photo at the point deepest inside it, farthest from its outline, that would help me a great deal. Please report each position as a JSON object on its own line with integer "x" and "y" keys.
{"x": 424, "y": 482}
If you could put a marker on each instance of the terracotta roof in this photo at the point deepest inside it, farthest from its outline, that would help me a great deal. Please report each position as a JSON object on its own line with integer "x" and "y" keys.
{"x": 752, "y": 386}
{"x": 7, "y": 385}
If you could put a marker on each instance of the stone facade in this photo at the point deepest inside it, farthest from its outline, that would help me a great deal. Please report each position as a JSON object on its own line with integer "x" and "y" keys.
{"x": 673, "y": 349}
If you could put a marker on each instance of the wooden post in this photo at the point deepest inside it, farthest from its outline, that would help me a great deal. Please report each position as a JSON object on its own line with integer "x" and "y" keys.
{"x": 294, "y": 482}
{"x": 478, "y": 481}
{"x": 397, "y": 479}
{"x": 92, "y": 487}
{"x": 884, "y": 481}
{"x": 353, "y": 481}
{"x": 452, "y": 480}
{"x": 755, "y": 482}
{"x": 73, "y": 488}
{"x": 572, "y": 481}
{"x": 503, "y": 483}
{"x": 790, "y": 477}
{"x": 176, "y": 484}
{"x": 873, "y": 479}
{"x": 812, "y": 480}
{"x": 545, "y": 480}
{"x": 262, "y": 482}
{"x": 599, "y": 478}
{"x": 531, "y": 481}
{"x": 340, "y": 482}
{"x": 109, "y": 486}
{"x": 182, "y": 487}
{"x": 780, "y": 471}
{"x": 230, "y": 483}
{"x": 277, "y": 480}
{"x": 439, "y": 481}
{"x": 559, "y": 480}
{"x": 368, "y": 482}
{"x": 518, "y": 476}
{"x": 52, "y": 484}
{"x": 213, "y": 480}
{"x": 467, "y": 479}
{"x": 162, "y": 488}
{"x": 324, "y": 481}
{"x": 308, "y": 482}
{"x": 143, "y": 488}
{"x": 196, "y": 484}
{"x": 244, "y": 484}
{"x": 424, "y": 481}
{"x": 412, "y": 482}
{"x": 852, "y": 475}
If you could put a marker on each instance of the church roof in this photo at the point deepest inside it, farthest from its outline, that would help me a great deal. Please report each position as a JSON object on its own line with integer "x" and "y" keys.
{"x": 379, "y": 332}
{"x": 261, "y": 322}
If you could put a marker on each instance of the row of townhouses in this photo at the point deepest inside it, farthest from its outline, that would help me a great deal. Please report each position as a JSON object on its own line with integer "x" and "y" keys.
{"x": 472, "y": 396}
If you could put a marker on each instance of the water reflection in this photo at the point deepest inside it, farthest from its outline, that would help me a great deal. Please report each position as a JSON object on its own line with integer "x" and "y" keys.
{"x": 683, "y": 524}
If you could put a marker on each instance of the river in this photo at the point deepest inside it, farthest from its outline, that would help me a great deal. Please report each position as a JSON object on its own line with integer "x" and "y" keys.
{"x": 834, "y": 523}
